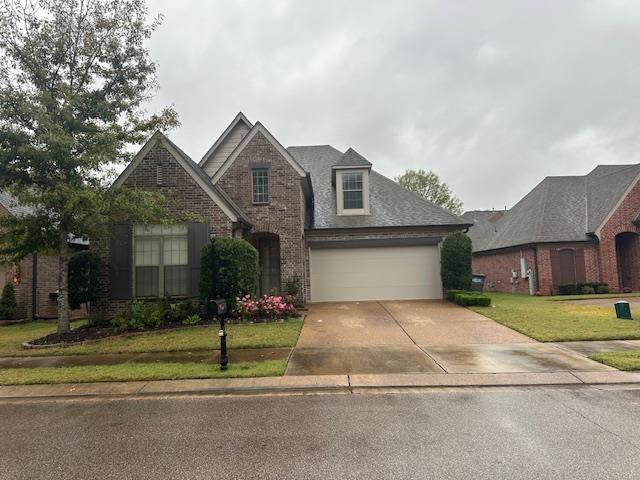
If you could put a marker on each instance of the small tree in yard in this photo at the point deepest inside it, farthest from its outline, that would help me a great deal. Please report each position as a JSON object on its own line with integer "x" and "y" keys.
{"x": 84, "y": 286}
{"x": 229, "y": 268}
{"x": 74, "y": 75}
{"x": 456, "y": 262}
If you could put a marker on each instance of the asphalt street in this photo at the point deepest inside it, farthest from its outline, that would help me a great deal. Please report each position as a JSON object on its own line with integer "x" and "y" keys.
{"x": 584, "y": 432}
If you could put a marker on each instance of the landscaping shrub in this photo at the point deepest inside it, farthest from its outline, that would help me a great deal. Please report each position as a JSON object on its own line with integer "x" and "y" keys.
{"x": 469, "y": 299}
{"x": 269, "y": 306}
{"x": 84, "y": 268}
{"x": 456, "y": 262}
{"x": 568, "y": 289}
{"x": 8, "y": 302}
{"x": 229, "y": 269}
{"x": 451, "y": 294}
{"x": 602, "y": 288}
{"x": 138, "y": 316}
{"x": 292, "y": 289}
{"x": 175, "y": 312}
{"x": 194, "y": 319}
{"x": 587, "y": 290}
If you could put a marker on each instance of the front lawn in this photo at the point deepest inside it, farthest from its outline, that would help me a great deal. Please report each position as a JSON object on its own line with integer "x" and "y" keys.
{"x": 625, "y": 360}
{"x": 548, "y": 320}
{"x": 250, "y": 335}
{"x": 129, "y": 372}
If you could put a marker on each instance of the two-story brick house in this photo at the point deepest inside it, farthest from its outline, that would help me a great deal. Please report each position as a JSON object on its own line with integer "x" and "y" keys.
{"x": 315, "y": 213}
{"x": 567, "y": 230}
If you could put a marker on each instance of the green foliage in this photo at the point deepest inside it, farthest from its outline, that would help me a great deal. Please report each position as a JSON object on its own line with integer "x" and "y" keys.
{"x": 568, "y": 289}
{"x": 74, "y": 78}
{"x": 8, "y": 302}
{"x": 469, "y": 299}
{"x": 174, "y": 312}
{"x": 292, "y": 286}
{"x": 456, "y": 261}
{"x": 194, "y": 319}
{"x": 452, "y": 293}
{"x": 586, "y": 288}
{"x": 139, "y": 315}
{"x": 428, "y": 185}
{"x": 602, "y": 288}
{"x": 84, "y": 286}
{"x": 229, "y": 269}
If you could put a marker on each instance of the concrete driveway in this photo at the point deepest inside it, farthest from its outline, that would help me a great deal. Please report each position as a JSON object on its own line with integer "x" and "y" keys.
{"x": 419, "y": 337}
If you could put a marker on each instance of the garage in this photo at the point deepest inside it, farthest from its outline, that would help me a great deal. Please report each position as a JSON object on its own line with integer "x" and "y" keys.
{"x": 374, "y": 272}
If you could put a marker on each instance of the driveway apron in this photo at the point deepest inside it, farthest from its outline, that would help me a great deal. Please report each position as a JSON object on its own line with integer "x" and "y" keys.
{"x": 419, "y": 337}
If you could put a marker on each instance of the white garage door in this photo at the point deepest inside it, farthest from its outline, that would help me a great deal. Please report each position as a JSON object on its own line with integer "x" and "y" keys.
{"x": 375, "y": 273}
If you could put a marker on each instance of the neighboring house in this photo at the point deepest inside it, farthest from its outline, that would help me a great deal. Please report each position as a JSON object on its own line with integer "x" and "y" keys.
{"x": 567, "y": 230}
{"x": 36, "y": 276}
{"x": 314, "y": 213}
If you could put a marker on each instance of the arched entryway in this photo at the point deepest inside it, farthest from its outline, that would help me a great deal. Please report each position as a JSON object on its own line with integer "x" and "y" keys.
{"x": 628, "y": 258}
{"x": 268, "y": 246}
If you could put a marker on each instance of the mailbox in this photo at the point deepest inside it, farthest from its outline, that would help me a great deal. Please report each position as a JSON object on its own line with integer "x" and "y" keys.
{"x": 219, "y": 306}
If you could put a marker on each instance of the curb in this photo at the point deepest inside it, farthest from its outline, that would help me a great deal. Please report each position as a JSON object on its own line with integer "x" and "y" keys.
{"x": 315, "y": 384}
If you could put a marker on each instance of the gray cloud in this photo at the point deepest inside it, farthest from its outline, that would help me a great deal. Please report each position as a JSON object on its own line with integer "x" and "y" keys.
{"x": 491, "y": 95}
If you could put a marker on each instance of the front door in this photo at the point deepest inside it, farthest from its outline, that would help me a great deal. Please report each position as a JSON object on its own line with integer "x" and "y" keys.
{"x": 269, "y": 253}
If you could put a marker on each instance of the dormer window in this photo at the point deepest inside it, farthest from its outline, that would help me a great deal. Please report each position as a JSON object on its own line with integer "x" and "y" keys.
{"x": 352, "y": 191}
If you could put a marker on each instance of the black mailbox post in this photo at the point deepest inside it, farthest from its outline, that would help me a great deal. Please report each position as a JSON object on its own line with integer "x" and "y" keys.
{"x": 219, "y": 309}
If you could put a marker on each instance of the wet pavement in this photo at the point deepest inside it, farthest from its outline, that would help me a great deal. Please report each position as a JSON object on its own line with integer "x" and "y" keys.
{"x": 392, "y": 337}
{"x": 590, "y": 347}
{"x": 239, "y": 355}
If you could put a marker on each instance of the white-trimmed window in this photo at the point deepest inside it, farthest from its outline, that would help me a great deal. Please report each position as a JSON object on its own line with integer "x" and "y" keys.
{"x": 260, "y": 185}
{"x": 161, "y": 260}
{"x": 352, "y": 189}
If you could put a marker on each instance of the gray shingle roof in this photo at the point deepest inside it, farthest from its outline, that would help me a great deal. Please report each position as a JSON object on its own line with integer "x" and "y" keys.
{"x": 13, "y": 207}
{"x": 560, "y": 209}
{"x": 390, "y": 204}
{"x": 352, "y": 158}
{"x": 484, "y": 226}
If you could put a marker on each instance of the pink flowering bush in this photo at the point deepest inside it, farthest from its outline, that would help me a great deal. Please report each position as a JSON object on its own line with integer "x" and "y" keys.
{"x": 268, "y": 306}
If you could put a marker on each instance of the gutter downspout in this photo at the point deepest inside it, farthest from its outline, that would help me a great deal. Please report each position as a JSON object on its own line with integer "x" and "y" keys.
{"x": 537, "y": 273}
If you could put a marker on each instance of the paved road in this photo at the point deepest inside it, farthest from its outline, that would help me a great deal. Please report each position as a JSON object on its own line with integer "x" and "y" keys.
{"x": 419, "y": 336}
{"x": 512, "y": 433}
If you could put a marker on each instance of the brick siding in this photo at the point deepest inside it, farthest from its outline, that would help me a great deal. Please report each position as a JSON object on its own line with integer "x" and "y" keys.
{"x": 184, "y": 196}
{"x": 284, "y": 214}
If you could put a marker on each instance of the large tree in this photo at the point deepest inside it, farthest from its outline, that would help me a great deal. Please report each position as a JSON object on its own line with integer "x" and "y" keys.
{"x": 74, "y": 78}
{"x": 429, "y": 185}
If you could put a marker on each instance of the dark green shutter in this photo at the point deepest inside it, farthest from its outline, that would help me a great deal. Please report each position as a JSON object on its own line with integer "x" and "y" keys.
{"x": 198, "y": 238}
{"x": 121, "y": 275}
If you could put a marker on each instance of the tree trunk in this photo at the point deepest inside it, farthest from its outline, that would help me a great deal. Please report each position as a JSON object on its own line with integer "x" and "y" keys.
{"x": 63, "y": 283}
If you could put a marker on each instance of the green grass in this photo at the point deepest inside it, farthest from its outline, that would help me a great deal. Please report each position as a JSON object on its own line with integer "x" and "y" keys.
{"x": 254, "y": 335}
{"x": 128, "y": 372}
{"x": 547, "y": 320}
{"x": 560, "y": 298}
{"x": 625, "y": 360}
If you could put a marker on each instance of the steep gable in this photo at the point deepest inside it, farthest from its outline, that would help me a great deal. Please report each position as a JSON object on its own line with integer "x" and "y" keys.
{"x": 225, "y": 144}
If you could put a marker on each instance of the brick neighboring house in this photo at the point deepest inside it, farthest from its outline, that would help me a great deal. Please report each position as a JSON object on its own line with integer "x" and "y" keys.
{"x": 569, "y": 229}
{"x": 313, "y": 212}
{"x": 36, "y": 276}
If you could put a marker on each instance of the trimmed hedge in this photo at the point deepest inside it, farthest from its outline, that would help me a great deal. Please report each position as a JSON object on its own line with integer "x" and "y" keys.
{"x": 456, "y": 261}
{"x": 8, "y": 302}
{"x": 229, "y": 269}
{"x": 469, "y": 299}
{"x": 586, "y": 288}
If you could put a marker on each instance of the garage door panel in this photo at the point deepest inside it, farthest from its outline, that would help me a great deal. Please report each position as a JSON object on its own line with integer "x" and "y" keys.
{"x": 378, "y": 273}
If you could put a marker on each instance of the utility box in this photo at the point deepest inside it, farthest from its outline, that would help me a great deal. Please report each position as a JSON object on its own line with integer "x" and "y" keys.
{"x": 477, "y": 282}
{"x": 623, "y": 310}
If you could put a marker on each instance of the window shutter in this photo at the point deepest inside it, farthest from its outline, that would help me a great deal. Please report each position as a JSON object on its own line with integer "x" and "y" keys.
{"x": 581, "y": 275}
{"x": 120, "y": 270}
{"x": 198, "y": 238}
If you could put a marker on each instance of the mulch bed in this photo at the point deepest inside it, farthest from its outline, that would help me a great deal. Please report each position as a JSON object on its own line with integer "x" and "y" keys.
{"x": 92, "y": 333}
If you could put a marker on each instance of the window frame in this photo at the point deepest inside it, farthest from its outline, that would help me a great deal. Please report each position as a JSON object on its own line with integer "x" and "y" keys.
{"x": 340, "y": 196}
{"x": 161, "y": 263}
{"x": 265, "y": 171}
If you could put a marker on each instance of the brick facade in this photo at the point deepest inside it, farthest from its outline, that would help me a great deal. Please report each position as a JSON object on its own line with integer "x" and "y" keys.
{"x": 602, "y": 257}
{"x": 284, "y": 215}
{"x": 185, "y": 197}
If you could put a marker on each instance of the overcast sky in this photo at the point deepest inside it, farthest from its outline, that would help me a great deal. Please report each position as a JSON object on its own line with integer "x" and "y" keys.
{"x": 491, "y": 95}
